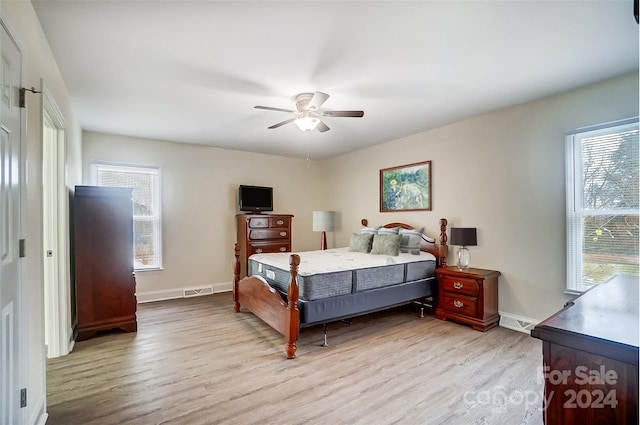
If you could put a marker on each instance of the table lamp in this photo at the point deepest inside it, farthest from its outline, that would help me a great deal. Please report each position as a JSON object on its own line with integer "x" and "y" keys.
{"x": 463, "y": 237}
{"x": 323, "y": 222}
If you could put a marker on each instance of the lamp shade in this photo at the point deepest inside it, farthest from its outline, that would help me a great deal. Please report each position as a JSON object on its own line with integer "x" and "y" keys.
{"x": 464, "y": 236}
{"x": 323, "y": 221}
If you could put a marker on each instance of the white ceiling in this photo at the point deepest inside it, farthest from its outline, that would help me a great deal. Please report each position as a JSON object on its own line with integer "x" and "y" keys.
{"x": 192, "y": 71}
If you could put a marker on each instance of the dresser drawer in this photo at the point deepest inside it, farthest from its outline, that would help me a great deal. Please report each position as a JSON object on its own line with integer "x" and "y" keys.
{"x": 279, "y": 222}
{"x": 459, "y": 285}
{"x": 265, "y": 248}
{"x": 258, "y": 222}
{"x": 263, "y": 234}
{"x": 467, "y": 306}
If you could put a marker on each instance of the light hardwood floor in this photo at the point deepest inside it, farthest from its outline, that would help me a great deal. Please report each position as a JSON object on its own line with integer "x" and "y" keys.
{"x": 194, "y": 361}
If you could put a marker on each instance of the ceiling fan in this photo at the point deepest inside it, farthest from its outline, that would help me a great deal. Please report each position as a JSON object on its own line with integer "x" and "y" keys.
{"x": 307, "y": 113}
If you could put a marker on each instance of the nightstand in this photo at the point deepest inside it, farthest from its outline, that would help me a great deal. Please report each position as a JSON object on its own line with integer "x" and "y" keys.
{"x": 468, "y": 296}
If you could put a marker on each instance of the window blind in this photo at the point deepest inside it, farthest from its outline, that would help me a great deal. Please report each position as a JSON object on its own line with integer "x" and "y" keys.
{"x": 602, "y": 204}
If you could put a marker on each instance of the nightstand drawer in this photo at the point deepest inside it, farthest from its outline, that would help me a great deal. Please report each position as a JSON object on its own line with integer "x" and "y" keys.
{"x": 268, "y": 248}
{"x": 269, "y": 234}
{"x": 460, "y": 304}
{"x": 459, "y": 285}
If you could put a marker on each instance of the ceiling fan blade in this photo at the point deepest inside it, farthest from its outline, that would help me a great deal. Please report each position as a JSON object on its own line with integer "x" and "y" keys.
{"x": 317, "y": 100}
{"x": 322, "y": 127}
{"x": 269, "y": 108}
{"x": 356, "y": 114}
{"x": 280, "y": 124}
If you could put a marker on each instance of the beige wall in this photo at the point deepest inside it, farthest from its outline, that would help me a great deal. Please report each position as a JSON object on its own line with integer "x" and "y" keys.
{"x": 38, "y": 62}
{"x": 502, "y": 173}
{"x": 199, "y": 202}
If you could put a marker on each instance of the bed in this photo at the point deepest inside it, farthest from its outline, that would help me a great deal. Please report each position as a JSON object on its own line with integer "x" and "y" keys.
{"x": 292, "y": 291}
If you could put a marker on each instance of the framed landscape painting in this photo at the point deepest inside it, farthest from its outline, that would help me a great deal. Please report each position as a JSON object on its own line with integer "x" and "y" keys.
{"x": 406, "y": 188}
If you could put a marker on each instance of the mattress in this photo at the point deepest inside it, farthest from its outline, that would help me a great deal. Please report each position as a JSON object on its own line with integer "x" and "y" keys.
{"x": 335, "y": 272}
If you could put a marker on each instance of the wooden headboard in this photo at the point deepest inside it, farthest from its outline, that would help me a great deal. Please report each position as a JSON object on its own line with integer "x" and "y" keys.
{"x": 428, "y": 244}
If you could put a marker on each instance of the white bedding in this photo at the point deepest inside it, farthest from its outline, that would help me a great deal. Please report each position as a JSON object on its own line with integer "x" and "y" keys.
{"x": 336, "y": 259}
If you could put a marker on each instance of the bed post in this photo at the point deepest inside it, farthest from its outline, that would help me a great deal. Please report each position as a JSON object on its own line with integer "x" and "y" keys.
{"x": 236, "y": 277}
{"x": 293, "y": 314}
{"x": 444, "y": 248}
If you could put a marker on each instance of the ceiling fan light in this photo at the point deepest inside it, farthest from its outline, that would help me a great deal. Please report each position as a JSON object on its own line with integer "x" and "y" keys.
{"x": 307, "y": 123}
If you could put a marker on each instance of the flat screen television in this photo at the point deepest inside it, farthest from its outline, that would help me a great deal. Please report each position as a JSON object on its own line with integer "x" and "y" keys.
{"x": 255, "y": 198}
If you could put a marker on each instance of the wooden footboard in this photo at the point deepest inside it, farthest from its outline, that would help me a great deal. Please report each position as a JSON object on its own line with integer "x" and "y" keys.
{"x": 255, "y": 294}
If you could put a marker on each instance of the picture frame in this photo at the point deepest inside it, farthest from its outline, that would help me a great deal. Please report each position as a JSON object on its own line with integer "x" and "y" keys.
{"x": 406, "y": 187}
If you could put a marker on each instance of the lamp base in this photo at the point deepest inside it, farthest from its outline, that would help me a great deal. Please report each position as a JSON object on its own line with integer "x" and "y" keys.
{"x": 323, "y": 241}
{"x": 463, "y": 260}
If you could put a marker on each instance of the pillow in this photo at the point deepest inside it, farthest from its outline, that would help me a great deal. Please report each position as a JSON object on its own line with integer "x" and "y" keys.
{"x": 388, "y": 231}
{"x": 386, "y": 244}
{"x": 369, "y": 230}
{"x": 410, "y": 240}
{"x": 361, "y": 243}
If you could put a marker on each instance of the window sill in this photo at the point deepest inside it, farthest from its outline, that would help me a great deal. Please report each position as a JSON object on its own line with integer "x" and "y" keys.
{"x": 149, "y": 269}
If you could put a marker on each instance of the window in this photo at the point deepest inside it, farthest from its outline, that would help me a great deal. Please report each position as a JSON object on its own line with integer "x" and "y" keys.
{"x": 145, "y": 182}
{"x": 602, "y": 203}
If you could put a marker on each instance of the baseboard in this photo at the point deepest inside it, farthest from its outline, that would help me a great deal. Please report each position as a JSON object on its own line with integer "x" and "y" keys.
{"x": 72, "y": 344}
{"x": 40, "y": 415}
{"x": 517, "y": 323}
{"x": 169, "y": 294}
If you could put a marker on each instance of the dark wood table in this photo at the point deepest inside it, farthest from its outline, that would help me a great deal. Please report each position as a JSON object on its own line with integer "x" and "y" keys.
{"x": 590, "y": 356}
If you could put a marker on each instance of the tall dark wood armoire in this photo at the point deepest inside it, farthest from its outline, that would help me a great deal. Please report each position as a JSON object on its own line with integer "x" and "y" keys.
{"x": 103, "y": 260}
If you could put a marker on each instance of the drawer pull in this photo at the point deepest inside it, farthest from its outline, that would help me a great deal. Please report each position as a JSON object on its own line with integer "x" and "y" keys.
{"x": 259, "y": 251}
{"x": 283, "y": 234}
{"x": 458, "y": 285}
{"x": 280, "y": 221}
{"x": 458, "y": 304}
{"x": 283, "y": 249}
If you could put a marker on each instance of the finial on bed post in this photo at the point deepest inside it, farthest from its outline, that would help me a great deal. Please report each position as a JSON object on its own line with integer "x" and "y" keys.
{"x": 236, "y": 277}
{"x": 293, "y": 327}
{"x": 444, "y": 248}
{"x": 364, "y": 222}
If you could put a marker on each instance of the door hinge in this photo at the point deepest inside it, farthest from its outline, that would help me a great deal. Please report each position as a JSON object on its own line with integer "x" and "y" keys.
{"x": 22, "y": 102}
{"x": 23, "y": 397}
{"x": 22, "y": 99}
{"x": 22, "y": 249}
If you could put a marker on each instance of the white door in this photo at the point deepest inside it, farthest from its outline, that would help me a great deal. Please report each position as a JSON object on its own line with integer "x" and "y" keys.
{"x": 10, "y": 210}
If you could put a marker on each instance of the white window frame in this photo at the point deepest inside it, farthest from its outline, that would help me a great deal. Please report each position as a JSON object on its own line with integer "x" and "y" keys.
{"x": 95, "y": 166}
{"x": 574, "y": 198}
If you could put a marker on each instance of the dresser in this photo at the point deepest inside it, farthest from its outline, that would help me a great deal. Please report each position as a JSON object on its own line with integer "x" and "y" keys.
{"x": 105, "y": 287}
{"x": 468, "y": 296}
{"x": 590, "y": 357}
{"x": 262, "y": 233}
